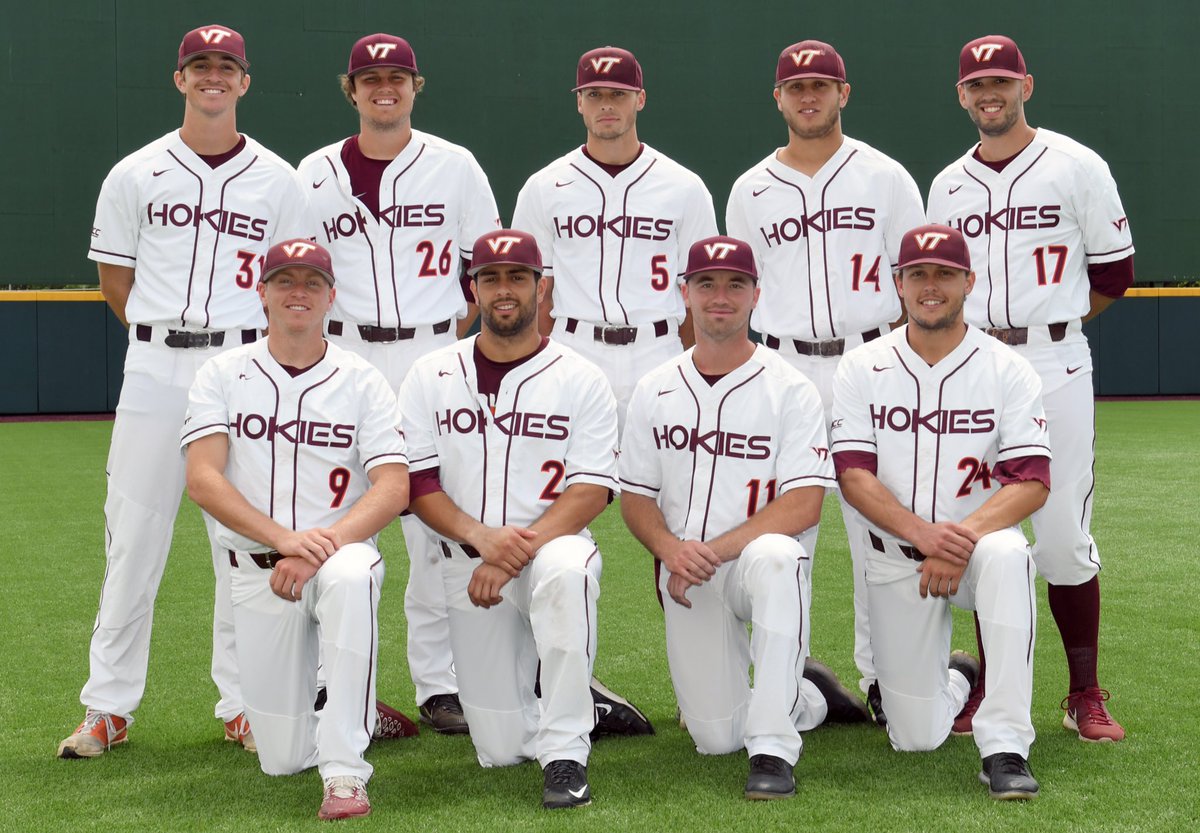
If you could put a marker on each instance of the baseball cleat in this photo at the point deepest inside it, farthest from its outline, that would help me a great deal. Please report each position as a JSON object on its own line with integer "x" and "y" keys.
{"x": 345, "y": 798}
{"x": 1007, "y": 777}
{"x": 98, "y": 733}
{"x": 844, "y": 706}
{"x": 968, "y": 666}
{"x": 444, "y": 713}
{"x": 770, "y": 778}
{"x": 238, "y": 731}
{"x": 1087, "y": 715}
{"x": 615, "y": 715}
{"x": 391, "y": 724}
{"x": 875, "y": 704}
{"x": 565, "y": 785}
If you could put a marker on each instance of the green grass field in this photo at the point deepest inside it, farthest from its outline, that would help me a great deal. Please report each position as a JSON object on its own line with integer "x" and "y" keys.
{"x": 176, "y": 773}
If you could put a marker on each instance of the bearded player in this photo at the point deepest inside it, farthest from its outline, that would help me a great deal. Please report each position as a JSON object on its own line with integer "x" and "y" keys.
{"x": 939, "y": 439}
{"x": 181, "y": 230}
{"x": 299, "y": 500}
{"x": 398, "y": 209}
{"x": 513, "y": 443}
{"x": 614, "y": 219}
{"x": 825, "y": 214}
{"x": 1051, "y": 244}
{"x": 724, "y": 465}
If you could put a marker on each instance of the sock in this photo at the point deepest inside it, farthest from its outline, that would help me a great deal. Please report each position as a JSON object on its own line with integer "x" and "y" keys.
{"x": 1076, "y": 611}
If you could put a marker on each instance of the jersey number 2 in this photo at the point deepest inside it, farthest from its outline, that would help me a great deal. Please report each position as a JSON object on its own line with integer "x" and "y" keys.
{"x": 556, "y": 470}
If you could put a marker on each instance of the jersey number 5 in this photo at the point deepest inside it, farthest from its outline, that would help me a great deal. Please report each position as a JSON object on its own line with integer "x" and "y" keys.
{"x": 660, "y": 278}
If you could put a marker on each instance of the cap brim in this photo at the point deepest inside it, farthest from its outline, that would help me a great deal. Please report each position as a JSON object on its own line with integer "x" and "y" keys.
{"x": 610, "y": 85}
{"x": 475, "y": 269}
{"x": 404, "y": 67}
{"x": 687, "y": 276}
{"x": 990, "y": 73}
{"x": 809, "y": 75}
{"x": 937, "y": 261}
{"x": 187, "y": 59}
{"x": 268, "y": 275}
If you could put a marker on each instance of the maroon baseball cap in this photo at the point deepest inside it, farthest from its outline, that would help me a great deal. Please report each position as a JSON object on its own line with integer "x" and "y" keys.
{"x": 505, "y": 245}
{"x": 809, "y": 59}
{"x": 382, "y": 50}
{"x": 608, "y": 66}
{"x": 213, "y": 38}
{"x": 992, "y": 56}
{"x": 721, "y": 253}
{"x": 935, "y": 243}
{"x": 298, "y": 252}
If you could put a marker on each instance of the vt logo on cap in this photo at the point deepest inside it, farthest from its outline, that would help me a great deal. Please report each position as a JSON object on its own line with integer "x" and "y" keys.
{"x": 378, "y": 51}
{"x": 804, "y": 57}
{"x": 928, "y": 241}
{"x": 604, "y": 65}
{"x": 502, "y": 245}
{"x": 719, "y": 251}
{"x": 298, "y": 249}
{"x": 215, "y": 35}
{"x": 984, "y": 51}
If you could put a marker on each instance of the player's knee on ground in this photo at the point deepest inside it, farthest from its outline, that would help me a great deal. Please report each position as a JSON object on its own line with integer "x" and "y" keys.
{"x": 285, "y": 745}
{"x": 718, "y": 737}
{"x": 916, "y": 724}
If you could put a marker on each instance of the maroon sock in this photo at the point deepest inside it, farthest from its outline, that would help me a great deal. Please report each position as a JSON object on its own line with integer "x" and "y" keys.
{"x": 982, "y": 657}
{"x": 1077, "y": 613}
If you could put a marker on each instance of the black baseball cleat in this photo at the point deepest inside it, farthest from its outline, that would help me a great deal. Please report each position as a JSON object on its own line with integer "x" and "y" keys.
{"x": 1008, "y": 778}
{"x": 770, "y": 778}
{"x": 875, "y": 704}
{"x": 444, "y": 713}
{"x": 844, "y": 706}
{"x": 565, "y": 785}
{"x": 615, "y": 715}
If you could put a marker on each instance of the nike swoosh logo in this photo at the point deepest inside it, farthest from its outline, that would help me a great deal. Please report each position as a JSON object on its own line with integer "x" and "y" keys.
{"x": 579, "y": 792}
{"x": 662, "y": 393}
{"x": 1071, "y": 370}
{"x": 445, "y": 373}
{"x": 879, "y": 369}
{"x": 160, "y": 173}
{"x": 955, "y": 189}
{"x": 759, "y": 191}
{"x": 319, "y": 184}
{"x": 603, "y": 710}
{"x": 563, "y": 184}
{"x": 243, "y": 376}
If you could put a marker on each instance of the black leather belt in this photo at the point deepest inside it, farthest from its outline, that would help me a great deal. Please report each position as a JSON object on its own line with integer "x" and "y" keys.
{"x": 829, "y": 347}
{"x": 909, "y": 552}
{"x": 265, "y": 560}
{"x": 467, "y": 548}
{"x": 187, "y": 339}
{"x": 1020, "y": 335}
{"x": 386, "y": 335}
{"x": 616, "y": 335}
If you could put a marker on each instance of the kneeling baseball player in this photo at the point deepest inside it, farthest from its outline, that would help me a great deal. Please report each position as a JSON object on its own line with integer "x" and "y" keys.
{"x": 294, "y": 447}
{"x": 724, "y": 464}
{"x": 513, "y": 442}
{"x": 939, "y": 440}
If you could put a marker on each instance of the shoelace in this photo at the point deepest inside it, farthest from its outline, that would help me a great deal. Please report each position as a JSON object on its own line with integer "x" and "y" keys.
{"x": 344, "y": 786}
{"x": 560, "y": 773}
{"x": 1089, "y": 705}
{"x": 775, "y": 766}
{"x": 1009, "y": 764}
{"x": 91, "y": 719}
{"x": 445, "y": 702}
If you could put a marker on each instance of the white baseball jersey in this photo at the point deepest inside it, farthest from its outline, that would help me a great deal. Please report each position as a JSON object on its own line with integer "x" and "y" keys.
{"x": 1033, "y": 229}
{"x": 196, "y": 236}
{"x": 616, "y": 246}
{"x": 938, "y": 432}
{"x": 299, "y": 447}
{"x": 553, "y": 424}
{"x": 712, "y": 455}
{"x": 402, "y": 269}
{"x": 825, "y": 245}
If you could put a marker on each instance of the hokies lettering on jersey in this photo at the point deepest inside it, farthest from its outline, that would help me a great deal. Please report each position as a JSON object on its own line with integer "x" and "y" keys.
{"x": 940, "y": 421}
{"x": 297, "y": 431}
{"x": 219, "y": 220}
{"x": 347, "y": 224}
{"x": 716, "y": 442}
{"x": 1012, "y": 218}
{"x": 791, "y": 229}
{"x": 512, "y": 424}
{"x": 622, "y": 227}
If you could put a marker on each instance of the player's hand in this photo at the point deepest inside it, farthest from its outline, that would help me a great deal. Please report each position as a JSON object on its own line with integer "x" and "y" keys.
{"x": 948, "y": 541}
{"x": 289, "y": 577}
{"x": 508, "y": 547}
{"x": 677, "y": 587}
{"x": 313, "y": 545}
{"x": 484, "y": 588}
{"x": 692, "y": 561}
{"x": 939, "y": 577}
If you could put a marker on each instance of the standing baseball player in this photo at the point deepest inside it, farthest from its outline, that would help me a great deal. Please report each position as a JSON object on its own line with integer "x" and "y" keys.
{"x": 939, "y": 440}
{"x": 513, "y": 443}
{"x": 398, "y": 210}
{"x": 294, "y": 446}
{"x": 1052, "y": 247}
{"x": 614, "y": 219}
{"x": 181, "y": 229}
{"x": 825, "y": 214}
{"x": 724, "y": 464}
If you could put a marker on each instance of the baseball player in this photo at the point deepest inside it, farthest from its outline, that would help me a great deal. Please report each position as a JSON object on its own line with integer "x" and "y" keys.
{"x": 939, "y": 440}
{"x": 824, "y": 214}
{"x": 398, "y": 210}
{"x": 181, "y": 229}
{"x": 513, "y": 443}
{"x": 1052, "y": 248}
{"x": 294, "y": 447}
{"x": 724, "y": 464}
{"x": 614, "y": 219}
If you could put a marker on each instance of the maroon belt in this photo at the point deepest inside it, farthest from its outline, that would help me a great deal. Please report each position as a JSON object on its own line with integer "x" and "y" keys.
{"x": 385, "y": 335}
{"x": 910, "y": 552}
{"x": 187, "y": 339}
{"x": 829, "y": 347}
{"x": 264, "y": 560}
{"x": 612, "y": 334}
{"x": 1020, "y": 335}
